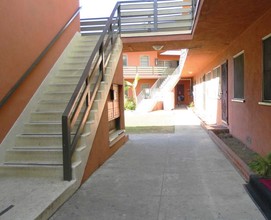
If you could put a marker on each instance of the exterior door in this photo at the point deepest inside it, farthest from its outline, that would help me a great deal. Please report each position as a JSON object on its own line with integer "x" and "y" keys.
{"x": 180, "y": 94}
{"x": 224, "y": 91}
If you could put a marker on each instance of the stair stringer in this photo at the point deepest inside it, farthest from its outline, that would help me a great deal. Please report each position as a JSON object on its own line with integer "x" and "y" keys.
{"x": 97, "y": 109}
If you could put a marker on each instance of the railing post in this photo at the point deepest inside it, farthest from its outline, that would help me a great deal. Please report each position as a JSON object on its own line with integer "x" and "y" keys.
{"x": 88, "y": 95}
{"x": 101, "y": 54}
{"x": 155, "y": 15}
{"x": 66, "y": 141}
{"x": 119, "y": 19}
{"x": 111, "y": 35}
{"x": 192, "y": 9}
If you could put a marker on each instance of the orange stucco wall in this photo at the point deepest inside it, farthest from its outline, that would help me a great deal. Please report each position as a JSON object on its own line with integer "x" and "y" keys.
{"x": 134, "y": 57}
{"x": 101, "y": 150}
{"x": 248, "y": 121}
{"x": 27, "y": 27}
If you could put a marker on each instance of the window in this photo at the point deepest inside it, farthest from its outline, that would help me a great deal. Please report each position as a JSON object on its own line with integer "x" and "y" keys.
{"x": 217, "y": 78}
{"x": 208, "y": 76}
{"x": 125, "y": 60}
{"x": 238, "y": 62}
{"x": 267, "y": 69}
{"x": 144, "y": 61}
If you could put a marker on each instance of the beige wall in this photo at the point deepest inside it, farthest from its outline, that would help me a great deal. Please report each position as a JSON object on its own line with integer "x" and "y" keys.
{"x": 27, "y": 27}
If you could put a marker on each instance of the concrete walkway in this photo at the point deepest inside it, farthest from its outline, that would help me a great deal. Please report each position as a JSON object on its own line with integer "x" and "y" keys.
{"x": 171, "y": 176}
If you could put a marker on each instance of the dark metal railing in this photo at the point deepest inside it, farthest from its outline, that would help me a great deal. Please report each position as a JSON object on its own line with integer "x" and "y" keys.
{"x": 76, "y": 113}
{"x": 38, "y": 59}
{"x": 149, "y": 16}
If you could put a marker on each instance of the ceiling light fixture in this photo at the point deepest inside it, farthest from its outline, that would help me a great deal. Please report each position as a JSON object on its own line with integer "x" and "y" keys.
{"x": 157, "y": 47}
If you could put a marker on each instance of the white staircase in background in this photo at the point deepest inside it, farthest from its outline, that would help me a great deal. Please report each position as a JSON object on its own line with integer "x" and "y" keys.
{"x": 159, "y": 93}
{"x": 33, "y": 147}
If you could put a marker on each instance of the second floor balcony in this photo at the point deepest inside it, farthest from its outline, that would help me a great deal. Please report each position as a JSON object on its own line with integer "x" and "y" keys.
{"x": 161, "y": 69}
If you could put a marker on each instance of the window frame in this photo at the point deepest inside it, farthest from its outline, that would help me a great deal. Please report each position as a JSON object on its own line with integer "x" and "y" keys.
{"x": 264, "y": 99}
{"x": 217, "y": 74}
{"x": 240, "y": 97}
{"x": 125, "y": 57}
{"x": 140, "y": 63}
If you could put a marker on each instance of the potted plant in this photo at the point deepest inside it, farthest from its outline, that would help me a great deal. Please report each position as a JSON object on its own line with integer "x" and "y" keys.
{"x": 259, "y": 185}
{"x": 262, "y": 166}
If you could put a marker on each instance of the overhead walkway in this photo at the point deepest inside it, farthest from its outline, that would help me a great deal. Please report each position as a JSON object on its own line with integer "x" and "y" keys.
{"x": 148, "y": 18}
{"x": 165, "y": 176}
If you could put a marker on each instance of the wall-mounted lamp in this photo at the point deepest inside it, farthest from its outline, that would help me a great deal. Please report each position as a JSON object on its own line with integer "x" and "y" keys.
{"x": 157, "y": 47}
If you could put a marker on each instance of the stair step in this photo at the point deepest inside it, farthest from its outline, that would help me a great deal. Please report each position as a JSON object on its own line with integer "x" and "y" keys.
{"x": 34, "y": 170}
{"x": 83, "y": 49}
{"x": 43, "y": 140}
{"x": 33, "y": 163}
{"x": 31, "y": 155}
{"x": 59, "y": 79}
{"x": 87, "y": 45}
{"x": 81, "y": 52}
{"x": 38, "y": 140}
{"x": 42, "y": 128}
{"x": 88, "y": 40}
{"x": 49, "y": 116}
{"x": 56, "y": 105}
{"x": 74, "y": 65}
{"x": 49, "y": 128}
{"x": 70, "y": 72}
{"x": 57, "y": 96}
{"x": 78, "y": 59}
{"x": 61, "y": 87}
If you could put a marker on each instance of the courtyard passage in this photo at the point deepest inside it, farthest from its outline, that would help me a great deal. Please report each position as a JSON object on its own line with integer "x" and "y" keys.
{"x": 172, "y": 173}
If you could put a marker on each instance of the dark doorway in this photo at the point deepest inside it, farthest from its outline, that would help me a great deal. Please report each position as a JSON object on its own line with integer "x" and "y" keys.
{"x": 224, "y": 91}
{"x": 180, "y": 94}
{"x": 183, "y": 92}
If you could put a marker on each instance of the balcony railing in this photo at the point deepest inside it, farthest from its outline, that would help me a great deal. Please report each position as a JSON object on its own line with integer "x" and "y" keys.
{"x": 143, "y": 72}
{"x": 149, "y": 17}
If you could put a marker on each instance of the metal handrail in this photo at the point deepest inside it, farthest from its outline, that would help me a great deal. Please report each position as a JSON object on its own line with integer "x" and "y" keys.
{"x": 150, "y": 70}
{"x": 38, "y": 59}
{"x": 150, "y": 91}
{"x": 76, "y": 113}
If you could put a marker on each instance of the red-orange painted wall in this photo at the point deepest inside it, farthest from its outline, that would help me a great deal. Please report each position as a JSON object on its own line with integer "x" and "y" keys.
{"x": 27, "y": 27}
{"x": 101, "y": 151}
{"x": 249, "y": 121}
{"x": 134, "y": 57}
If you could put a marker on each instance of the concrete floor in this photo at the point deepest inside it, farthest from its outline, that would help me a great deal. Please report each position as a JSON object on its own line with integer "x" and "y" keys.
{"x": 172, "y": 176}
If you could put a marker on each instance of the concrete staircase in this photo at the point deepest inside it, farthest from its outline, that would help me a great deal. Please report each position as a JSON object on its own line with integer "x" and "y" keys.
{"x": 159, "y": 92}
{"x": 146, "y": 105}
{"x": 33, "y": 147}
